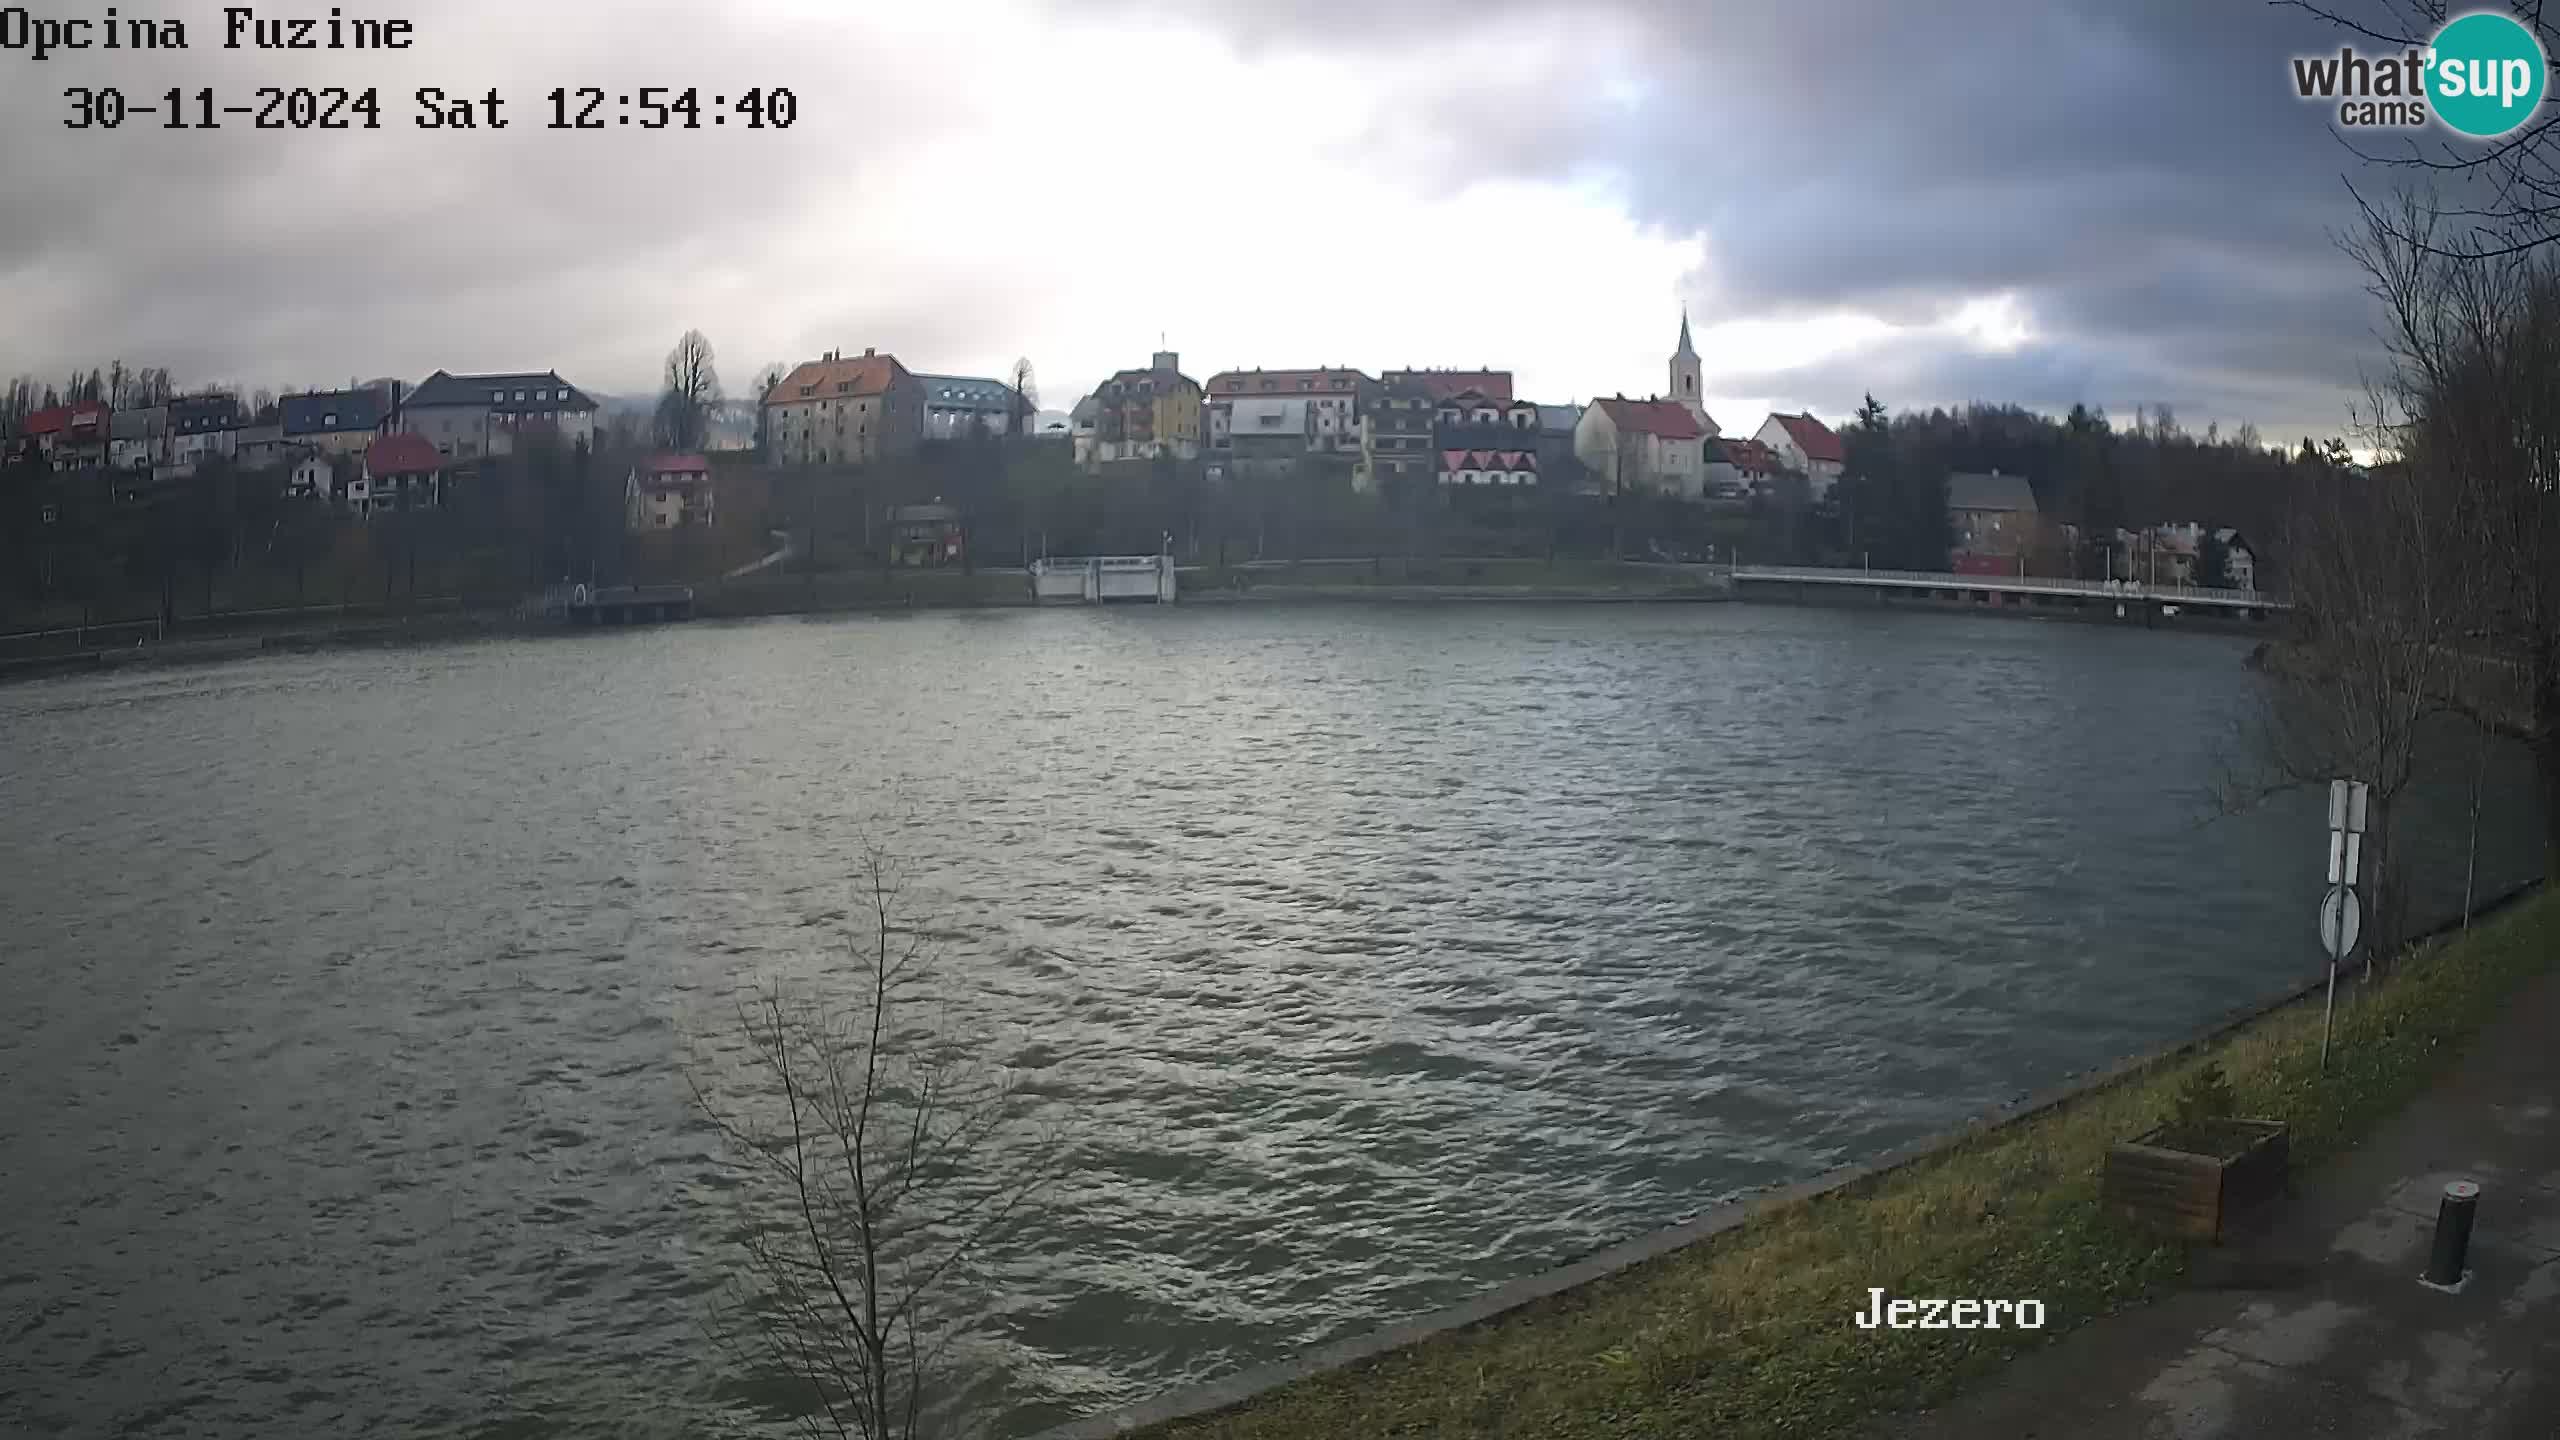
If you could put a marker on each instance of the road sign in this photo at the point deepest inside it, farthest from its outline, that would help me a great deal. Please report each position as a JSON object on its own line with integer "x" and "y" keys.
{"x": 2341, "y": 922}
{"x": 2346, "y": 805}
{"x": 2346, "y": 858}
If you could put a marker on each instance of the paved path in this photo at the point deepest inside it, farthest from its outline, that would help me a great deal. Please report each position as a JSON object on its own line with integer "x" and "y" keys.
{"x": 2319, "y": 1327}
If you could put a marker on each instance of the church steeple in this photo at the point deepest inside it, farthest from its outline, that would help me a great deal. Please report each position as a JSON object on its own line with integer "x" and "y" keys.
{"x": 1684, "y": 372}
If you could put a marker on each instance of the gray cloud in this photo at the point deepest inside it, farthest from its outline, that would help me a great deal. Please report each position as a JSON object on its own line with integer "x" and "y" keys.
{"x": 300, "y": 257}
{"x": 2136, "y": 175}
{"x": 2139, "y": 176}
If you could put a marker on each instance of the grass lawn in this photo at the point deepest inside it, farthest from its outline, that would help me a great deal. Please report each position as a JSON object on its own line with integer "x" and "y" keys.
{"x": 1749, "y": 1333}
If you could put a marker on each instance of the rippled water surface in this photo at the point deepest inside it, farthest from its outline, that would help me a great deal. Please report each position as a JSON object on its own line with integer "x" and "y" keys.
{"x": 1382, "y": 954}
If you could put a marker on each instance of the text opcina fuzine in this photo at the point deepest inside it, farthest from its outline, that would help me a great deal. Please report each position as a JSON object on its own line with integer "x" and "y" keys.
{"x": 241, "y": 27}
{"x": 1882, "y": 1314}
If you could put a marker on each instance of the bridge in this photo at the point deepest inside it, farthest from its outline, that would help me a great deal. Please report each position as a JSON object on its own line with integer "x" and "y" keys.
{"x": 2036, "y": 591}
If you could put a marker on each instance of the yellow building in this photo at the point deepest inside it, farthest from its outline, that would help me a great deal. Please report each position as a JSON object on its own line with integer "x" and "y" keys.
{"x": 1143, "y": 414}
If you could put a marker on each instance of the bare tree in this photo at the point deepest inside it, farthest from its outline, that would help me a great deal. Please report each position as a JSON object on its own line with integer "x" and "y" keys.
{"x": 766, "y": 378}
{"x": 881, "y": 1163}
{"x": 1026, "y": 395}
{"x": 2474, "y": 397}
{"x": 692, "y": 394}
{"x": 2379, "y": 603}
{"x": 2507, "y": 192}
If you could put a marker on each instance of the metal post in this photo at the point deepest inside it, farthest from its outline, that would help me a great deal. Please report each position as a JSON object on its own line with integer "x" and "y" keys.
{"x": 2471, "y": 860}
{"x": 2328, "y": 1013}
{"x": 2446, "y": 1269}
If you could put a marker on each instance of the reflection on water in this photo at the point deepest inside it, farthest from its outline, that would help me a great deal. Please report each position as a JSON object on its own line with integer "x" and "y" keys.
{"x": 1378, "y": 955}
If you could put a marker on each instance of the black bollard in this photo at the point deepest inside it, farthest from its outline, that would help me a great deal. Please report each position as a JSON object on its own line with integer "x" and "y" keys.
{"x": 2453, "y": 1233}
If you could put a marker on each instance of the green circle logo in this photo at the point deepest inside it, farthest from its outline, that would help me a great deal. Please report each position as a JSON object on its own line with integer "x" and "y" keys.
{"x": 2486, "y": 74}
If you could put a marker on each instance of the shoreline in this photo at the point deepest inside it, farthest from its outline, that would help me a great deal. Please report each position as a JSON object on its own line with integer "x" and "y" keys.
{"x": 1675, "y": 1322}
{"x": 221, "y": 638}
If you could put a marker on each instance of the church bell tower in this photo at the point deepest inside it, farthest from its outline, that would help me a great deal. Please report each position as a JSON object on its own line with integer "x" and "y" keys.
{"x": 1684, "y": 372}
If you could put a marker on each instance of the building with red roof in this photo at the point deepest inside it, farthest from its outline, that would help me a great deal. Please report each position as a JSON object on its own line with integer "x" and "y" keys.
{"x": 1442, "y": 384}
{"x": 844, "y": 410}
{"x": 68, "y": 436}
{"x": 1514, "y": 466}
{"x": 668, "y": 492}
{"x": 402, "y": 471}
{"x": 1738, "y": 468}
{"x": 1656, "y": 446}
{"x": 1333, "y": 399}
{"x": 1806, "y": 444}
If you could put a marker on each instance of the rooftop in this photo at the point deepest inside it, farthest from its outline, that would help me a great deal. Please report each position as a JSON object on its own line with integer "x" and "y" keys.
{"x": 1280, "y": 382}
{"x": 1269, "y": 415}
{"x": 1668, "y": 419}
{"x": 1813, "y": 437}
{"x": 834, "y": 375}
{"x": 2005, "y": 493}
{"x": 526, "y": 391}
{"x": 968, "y": 390}
{"x": 55, "y": 419}
{"x": 335, "y": 411}
{"x": 1441, "y": 384}
{"x": 402, "y": 453}
{"x": 1744, "y": 454}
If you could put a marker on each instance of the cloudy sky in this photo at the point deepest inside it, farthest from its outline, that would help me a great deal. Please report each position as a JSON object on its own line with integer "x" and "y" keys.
{"x": 2047, "y": 202}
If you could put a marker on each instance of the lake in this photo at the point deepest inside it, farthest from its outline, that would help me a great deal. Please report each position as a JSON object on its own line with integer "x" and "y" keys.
{"x": 1378, "y": 954}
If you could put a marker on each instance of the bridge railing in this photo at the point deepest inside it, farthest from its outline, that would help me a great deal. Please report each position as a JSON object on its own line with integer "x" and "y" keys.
{"x": 1953, "y": 580}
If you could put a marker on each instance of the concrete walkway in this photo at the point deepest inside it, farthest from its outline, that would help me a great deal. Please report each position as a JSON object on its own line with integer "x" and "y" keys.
{"x": 2317, "y": 1325}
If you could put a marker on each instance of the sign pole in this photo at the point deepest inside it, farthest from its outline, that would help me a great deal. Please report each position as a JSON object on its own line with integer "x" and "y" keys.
{"x": 2328, "y": 1016}
{"x": 2340, "y": 915}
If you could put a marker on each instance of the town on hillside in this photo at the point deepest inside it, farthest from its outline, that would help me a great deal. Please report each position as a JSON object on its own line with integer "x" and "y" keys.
{"x": 486, "y": 483}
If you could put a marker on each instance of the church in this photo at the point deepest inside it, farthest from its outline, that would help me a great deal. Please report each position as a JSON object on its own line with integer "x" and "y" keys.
{"x": 1684, "y": 380}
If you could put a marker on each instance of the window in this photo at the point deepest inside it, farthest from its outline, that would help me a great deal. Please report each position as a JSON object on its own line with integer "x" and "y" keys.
{"x": 497, "y": 397}
{"x": 519, "y": 397}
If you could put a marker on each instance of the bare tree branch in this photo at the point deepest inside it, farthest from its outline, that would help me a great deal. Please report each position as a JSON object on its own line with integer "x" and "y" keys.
{"x": 895, "y": 1162}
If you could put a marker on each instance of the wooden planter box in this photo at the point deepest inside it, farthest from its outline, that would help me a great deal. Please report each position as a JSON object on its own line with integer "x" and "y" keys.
{"x": 2196, "y": 1196}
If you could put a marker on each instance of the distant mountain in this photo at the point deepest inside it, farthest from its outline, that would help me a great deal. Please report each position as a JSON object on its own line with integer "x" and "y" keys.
{"x": 733, "y": 425}
{"x": 612, "y": 405}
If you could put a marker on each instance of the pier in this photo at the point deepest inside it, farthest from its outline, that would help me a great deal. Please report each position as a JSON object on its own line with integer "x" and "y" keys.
{"x": 2129, "y": 598}
{"x": 1103, "y": 579}
{"x": 630, "y": 604}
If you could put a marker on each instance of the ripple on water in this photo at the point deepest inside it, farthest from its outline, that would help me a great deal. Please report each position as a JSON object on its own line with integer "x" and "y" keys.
{"x": 1369, "y": 958}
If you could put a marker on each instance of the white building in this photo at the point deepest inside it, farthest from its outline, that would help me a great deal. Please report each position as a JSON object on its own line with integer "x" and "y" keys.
{"x": 465, "y": 416}
{"x": 1643, "y": 446}
{"x": 2239, "y": 562}
{"x": 1805, "y": 445}
{"x": 138, "y": 439}
{"x": 959, "y": 405}
{"x": 203, "y": 427}
{"x": 313, "y": 476}
{"x": 1332, "y": 399}
{"x": 668, "y": 492}
{"x": 1080, "y": 426}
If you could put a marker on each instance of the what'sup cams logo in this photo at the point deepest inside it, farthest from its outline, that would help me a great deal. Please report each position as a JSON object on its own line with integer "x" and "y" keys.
{"x": 2483, "y": 77}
